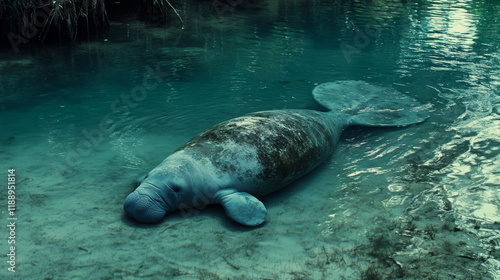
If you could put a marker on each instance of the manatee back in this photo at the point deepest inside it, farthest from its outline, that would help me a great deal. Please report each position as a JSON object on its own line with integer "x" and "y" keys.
{"x": 264, "y": 151}
{"x": 365, "y": 104}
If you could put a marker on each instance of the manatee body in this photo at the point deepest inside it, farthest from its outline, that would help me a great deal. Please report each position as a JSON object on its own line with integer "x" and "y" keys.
{"x": 234, "y": 162}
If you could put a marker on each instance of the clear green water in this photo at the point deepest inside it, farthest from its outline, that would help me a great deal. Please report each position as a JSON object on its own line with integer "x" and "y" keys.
{"x": 80, "y": 123}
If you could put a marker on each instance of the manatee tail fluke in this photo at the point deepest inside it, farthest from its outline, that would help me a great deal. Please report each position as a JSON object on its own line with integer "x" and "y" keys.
{"x": 370, "y": 105}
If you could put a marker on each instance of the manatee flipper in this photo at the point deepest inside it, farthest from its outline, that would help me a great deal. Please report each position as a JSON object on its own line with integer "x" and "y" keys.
{"x": 366, "y": 104}
{"x": 241, "y": 207}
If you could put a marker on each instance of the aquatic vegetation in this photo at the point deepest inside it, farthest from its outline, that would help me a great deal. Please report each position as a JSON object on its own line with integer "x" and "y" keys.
{"x": 35, "y": 20}
{"x": 159, "y": 11}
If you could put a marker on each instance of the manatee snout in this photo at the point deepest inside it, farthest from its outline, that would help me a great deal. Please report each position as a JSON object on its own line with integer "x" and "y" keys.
{"x": 145, "y": 206}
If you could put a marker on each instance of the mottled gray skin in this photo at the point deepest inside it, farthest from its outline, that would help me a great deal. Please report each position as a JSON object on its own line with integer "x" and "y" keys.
{"x": 258, "y": 153}
{"x": 262, "y": 152}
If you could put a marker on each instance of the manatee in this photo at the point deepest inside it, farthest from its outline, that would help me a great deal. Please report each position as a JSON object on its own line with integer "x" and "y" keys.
{"x": 235, "y": 162}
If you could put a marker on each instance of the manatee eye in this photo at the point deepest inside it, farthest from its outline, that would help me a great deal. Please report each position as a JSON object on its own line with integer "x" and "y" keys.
{"x": 176, "y": 188}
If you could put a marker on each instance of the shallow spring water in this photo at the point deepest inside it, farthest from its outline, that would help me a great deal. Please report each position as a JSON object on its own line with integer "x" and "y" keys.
{"x": 80, "y": 123}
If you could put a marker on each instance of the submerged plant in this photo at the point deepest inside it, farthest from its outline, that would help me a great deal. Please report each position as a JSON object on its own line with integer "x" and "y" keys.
{"x": 34, "y": 20}
{"x": 159, "y": 11}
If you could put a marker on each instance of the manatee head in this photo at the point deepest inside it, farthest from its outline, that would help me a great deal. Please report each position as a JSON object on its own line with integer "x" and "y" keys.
{"x": 156, "y": 195}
